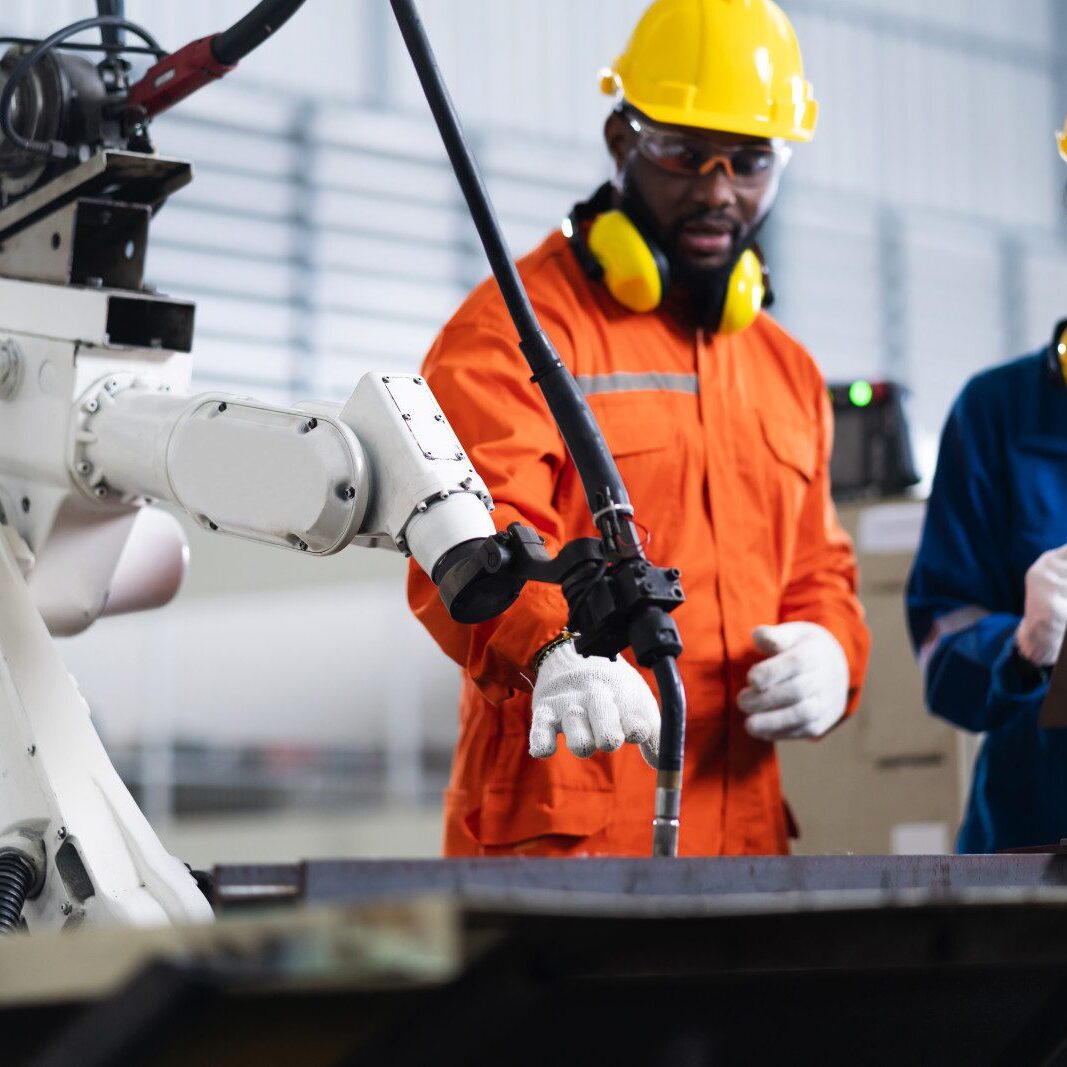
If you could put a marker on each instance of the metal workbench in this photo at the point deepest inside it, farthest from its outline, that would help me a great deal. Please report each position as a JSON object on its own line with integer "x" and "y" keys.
{"x": 668, "y": 963}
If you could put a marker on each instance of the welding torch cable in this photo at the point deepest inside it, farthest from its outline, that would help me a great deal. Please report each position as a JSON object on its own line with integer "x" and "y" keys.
{"x": 596, "y": 467}
{"x": 581, "y": 433}
{"x": 249, "y": 32}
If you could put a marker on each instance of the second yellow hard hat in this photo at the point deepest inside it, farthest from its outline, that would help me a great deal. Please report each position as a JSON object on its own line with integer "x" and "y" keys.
{"x": 731, "y": 65}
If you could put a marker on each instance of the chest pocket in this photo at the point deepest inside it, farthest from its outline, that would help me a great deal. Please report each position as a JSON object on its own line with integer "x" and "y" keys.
{"x": 643, "y": 437}
{"x": 790, "y": 461}
{"x": 792, "y": 444}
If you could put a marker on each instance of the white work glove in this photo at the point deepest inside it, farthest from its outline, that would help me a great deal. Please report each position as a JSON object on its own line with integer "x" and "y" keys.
{"x": 595, "y": 702}
{"x": 801, "y": 689}
{"x": 1040, "y": 634}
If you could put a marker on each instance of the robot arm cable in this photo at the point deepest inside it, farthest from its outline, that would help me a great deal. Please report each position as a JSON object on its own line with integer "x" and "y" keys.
{"x": 250, "y": 32}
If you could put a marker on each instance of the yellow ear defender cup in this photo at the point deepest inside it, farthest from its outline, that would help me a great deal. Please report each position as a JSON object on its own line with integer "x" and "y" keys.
{"x": 745, "y": 294}
{"x": 1056, "y": 359}
{"x": 634, "y": 274}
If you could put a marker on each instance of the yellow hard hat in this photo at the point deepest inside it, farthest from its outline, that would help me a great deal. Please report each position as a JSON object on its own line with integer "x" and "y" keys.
{"x": 731, "y": 65}
{"x": 1061, "y": 140}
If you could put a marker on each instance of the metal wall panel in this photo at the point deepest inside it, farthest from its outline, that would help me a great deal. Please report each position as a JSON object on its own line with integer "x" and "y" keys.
{"x": 955, "y": 322}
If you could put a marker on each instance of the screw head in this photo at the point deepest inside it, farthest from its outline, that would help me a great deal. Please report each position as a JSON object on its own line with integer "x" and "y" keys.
{"x": 439, "y": 418}
{"x": 406, "y": 417}
{"x": 32, "y": 750}
{"x": 312, "y": 423}
{"x": 222, "y": 407}
{"x": 385, "y": 378}
{"x": 100, "y": 491}
{"x": 25, "y": 503}
{"x": 459, "y": 455}
{"x": 302, "y": 545}
{"x": 418, "y": 381}
{"x": 61, "y": 833}
{"x": 66, "y": 907}
{"x": 84, "y": 467}
{"x": 212, "y": 525}
{"x": 92, "y": 406}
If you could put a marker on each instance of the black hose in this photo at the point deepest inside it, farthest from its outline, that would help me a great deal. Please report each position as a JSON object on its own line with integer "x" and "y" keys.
{"x": 581, "y": 434}
{"x": 250, "y": 32}
{"x": 111, "y": 36}
{"x": 17, "y": 876}
{"x": 672, "y": 710}
{"x": 603, "y": 485}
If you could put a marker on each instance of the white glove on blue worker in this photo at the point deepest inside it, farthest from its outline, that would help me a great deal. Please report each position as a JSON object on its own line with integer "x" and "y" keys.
{"x": 1044, "y": 622}
{"x": 595, "y": 702}
{"x": 801, "y": 689}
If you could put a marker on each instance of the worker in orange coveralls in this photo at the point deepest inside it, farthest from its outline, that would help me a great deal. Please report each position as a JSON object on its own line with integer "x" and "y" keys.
{"x": 721, "y": 428}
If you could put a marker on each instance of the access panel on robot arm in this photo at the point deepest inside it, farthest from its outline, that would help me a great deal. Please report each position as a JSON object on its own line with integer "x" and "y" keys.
{"x": 97, "y": 426}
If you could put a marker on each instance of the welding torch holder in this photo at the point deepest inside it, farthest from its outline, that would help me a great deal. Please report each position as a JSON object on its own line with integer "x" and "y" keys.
{"x": 612, "y": 605}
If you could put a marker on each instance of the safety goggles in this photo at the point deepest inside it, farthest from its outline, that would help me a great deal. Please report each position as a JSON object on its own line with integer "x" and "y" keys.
{"x": 692, "y": 156}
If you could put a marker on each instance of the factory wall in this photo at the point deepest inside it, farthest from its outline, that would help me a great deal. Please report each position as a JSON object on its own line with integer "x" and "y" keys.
{"x": 919, "y": 237}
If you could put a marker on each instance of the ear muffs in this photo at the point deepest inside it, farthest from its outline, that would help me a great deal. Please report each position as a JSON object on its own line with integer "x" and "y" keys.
{"x": 1056, "y": 357}
{"x": 634, "y": 269}
{"x": 636, "y": 272}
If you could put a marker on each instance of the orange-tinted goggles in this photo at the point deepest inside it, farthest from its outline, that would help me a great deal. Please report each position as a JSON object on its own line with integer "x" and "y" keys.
{"x": 693, "y": 156}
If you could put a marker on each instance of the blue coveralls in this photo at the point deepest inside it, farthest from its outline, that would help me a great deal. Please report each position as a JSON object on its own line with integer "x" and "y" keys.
{"x": 999, "y": 500}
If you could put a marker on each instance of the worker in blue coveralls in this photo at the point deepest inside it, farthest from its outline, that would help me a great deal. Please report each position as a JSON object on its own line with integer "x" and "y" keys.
{"x": 987, "y": 597}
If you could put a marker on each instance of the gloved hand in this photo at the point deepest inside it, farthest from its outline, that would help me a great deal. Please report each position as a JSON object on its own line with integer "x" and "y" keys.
{"x": 801, "y": 689}
{"x": 1041, "y": 631}
{"x": 597, "y": 703}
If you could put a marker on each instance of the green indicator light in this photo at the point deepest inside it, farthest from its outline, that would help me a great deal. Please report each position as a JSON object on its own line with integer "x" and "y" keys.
{"x": 860, "y": 393}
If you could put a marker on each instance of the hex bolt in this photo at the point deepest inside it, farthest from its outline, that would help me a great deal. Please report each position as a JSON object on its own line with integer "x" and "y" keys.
{"x": 421, "y": 506}
{"x": 674, "y": 574}
{"x": 466, "y": 483}
{"x": 443, "y": 495}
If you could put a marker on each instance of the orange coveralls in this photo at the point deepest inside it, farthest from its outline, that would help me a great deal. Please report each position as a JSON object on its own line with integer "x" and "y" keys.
{"x": 723, "y": 443}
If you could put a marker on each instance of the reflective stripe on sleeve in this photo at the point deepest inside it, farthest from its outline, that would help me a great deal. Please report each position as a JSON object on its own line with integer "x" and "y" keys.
{"x": 626, "y": 382}
{"x": 944, "y": 626}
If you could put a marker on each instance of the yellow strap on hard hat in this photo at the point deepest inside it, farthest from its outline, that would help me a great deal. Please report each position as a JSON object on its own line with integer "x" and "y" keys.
{"x": 731, "y": 65}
